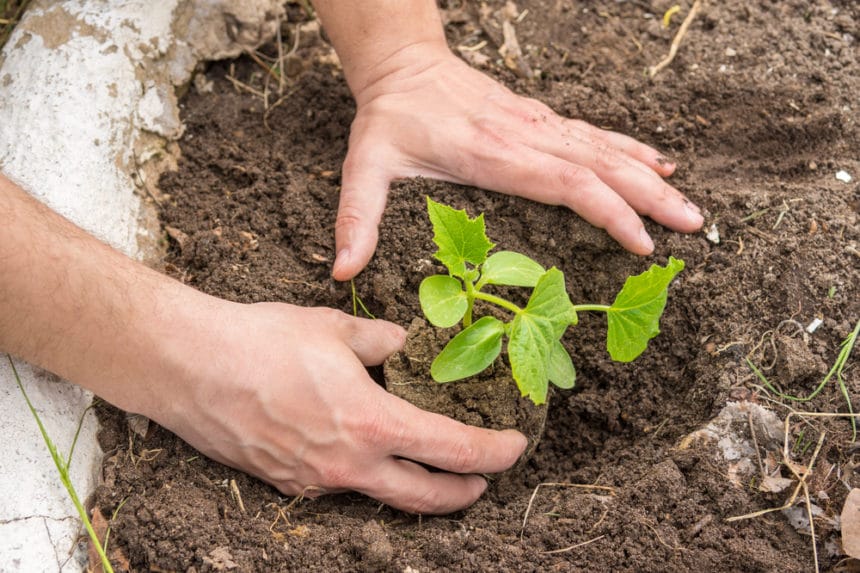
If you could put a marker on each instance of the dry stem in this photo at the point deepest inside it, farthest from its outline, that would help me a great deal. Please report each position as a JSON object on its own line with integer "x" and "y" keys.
{"x": 611, "y": 490}
{"x": 676, "y": 42}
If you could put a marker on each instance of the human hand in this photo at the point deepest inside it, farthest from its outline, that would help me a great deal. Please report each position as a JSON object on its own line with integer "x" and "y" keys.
{"x": 281, "y": 392}
{"x": 429, "y": 114}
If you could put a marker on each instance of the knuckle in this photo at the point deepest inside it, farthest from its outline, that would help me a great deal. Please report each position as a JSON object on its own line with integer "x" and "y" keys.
{"x": 336, "y": 475}
{"x": 427, "y": 501}
{"x": 378, "y": 431}
{"x": 607, "y": 159}
{"x": 574, "y": 176}
{"x": 463, "y": 458}
{"x": 348, "y": 215}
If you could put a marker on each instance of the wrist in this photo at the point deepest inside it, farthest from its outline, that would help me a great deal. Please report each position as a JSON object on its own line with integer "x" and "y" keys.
{"x": 378, "y": 38}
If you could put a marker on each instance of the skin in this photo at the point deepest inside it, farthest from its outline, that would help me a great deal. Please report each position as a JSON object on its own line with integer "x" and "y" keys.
{"x": 281, "y": 391}
{"x": 421, "y": 111}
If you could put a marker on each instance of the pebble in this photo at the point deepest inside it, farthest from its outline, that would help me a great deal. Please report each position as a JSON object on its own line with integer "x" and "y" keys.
{"x": 843, "y": 176}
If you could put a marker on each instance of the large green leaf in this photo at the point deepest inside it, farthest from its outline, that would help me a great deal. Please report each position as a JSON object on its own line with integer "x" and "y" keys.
{"x": 469, "y": 352}
{"x": 535, "y": 331}
{"x": 560, "y": 367}
{"x": 460, "y": 239}
{"x": 512, "y": 269}
{"x": 634, "y": 317}
{"x": 550, "y": 301}
{"x": 529, "y": 349}
{"x": 443, "y": 300}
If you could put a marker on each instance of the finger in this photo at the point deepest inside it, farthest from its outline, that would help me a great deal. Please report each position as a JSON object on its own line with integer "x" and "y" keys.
{"x": 449, "y": 445}
{"x": 372, "y": 340}
{"x": 410, "y": 487}
{"x": 533, "y": 174}
{"x": 637, "y": 150}
{"x": 536, "y": 113}
{"x": 362, "y": 201}
{"x": 641, "y": 187}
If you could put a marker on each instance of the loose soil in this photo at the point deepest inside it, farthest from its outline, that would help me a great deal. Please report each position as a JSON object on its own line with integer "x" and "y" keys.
{"x": 760, "y": 111}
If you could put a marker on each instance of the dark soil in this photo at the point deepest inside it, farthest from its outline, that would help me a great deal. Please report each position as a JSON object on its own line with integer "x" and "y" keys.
{"x": 487, "y": 400}
{"x": 760, "y": 111}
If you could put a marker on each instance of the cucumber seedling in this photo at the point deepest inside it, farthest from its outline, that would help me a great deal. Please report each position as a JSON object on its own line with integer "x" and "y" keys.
{"x": 534, "y": 333}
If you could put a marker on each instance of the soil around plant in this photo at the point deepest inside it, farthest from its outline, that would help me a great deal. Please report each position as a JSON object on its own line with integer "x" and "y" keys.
{"x": 759, "y": 109}
{"x": 487, "y": 400}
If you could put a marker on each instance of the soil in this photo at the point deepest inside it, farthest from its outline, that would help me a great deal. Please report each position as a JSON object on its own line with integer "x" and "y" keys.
{"x": 487, "y": 400}
{"x": 759, "y": 109}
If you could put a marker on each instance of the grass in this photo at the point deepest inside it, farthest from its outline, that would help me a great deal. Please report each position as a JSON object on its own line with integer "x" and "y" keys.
{"x": 837, "y": 369}
{"x": 357, "y": 303}
{"x": 63, "y": 468}
{"x": 10, "y": 13}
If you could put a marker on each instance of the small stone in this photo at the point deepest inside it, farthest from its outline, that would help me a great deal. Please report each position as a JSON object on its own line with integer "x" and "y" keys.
{"x": 731, "y": 52}
{"x": 843, "y": 176}
{"x": 713, "y": 234}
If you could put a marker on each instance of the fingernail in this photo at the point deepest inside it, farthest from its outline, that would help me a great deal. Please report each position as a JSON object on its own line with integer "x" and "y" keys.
{"x": 524, "y": 442}
{"x": 664, "y": 161}
{"x": 340, "y": 261}
{"x": 645, "y": 239}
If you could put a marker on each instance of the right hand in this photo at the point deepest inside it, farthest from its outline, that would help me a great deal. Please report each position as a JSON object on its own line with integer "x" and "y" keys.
{"x": 281, "y": 392}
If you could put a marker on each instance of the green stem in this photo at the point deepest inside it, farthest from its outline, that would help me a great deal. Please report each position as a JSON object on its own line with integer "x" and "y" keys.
{"x": 593, "y": 307}
{"x": 63, "y": 470}
{"x": 497, "y": 301}
{"x": 470, "y": 303}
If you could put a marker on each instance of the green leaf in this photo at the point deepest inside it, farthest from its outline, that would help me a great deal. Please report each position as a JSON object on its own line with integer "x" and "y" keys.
{"x": 460, "y": 239}
{"x": 634, "y": 317}
{"x": 469, "y": 352}
{"x": 535, "y": 331}
{"x": 528, "y": 351}
{"x": 550, "y": 301}
{"x": 560, "y": 367}
{"x": 443, "y": 300}
{"x": 513, "y": 269}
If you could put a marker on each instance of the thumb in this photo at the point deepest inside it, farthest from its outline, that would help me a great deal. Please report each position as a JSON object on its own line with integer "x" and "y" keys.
{"x": 373, "y": 340}
{"x": 362, "y": 201}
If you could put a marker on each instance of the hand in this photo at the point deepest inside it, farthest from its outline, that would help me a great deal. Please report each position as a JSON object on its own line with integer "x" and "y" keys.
{"x": 282, "y": 393}
{"x": 429, "y": 114}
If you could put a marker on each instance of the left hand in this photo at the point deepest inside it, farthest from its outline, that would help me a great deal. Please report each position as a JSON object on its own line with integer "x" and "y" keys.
{"x": 432, "y": 115}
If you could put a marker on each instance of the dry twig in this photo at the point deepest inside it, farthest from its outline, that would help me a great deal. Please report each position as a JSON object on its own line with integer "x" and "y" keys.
{"x": 607, "y": 488}
{"x": 801, "y": 474}
{"x": 676, "y": 42}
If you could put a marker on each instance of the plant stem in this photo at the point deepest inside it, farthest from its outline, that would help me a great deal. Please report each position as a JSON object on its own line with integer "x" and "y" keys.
{"x": 592, "y": 307}
{"x": 470, "y": 303}
{"x": 497, "y": 301}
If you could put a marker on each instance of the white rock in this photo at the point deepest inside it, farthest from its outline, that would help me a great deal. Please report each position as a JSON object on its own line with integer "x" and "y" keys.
{"x": 713, "y": 234}
{"x": 843, "y": 176}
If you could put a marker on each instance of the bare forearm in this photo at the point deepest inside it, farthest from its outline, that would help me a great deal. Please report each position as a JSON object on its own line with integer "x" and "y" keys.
{"x": 369, "y": 34}
{"x": 73, "y": 305}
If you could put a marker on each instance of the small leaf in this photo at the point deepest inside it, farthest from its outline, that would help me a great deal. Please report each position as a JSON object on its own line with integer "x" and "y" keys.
{"x": 443, "y": 300}
{"x": 634, "y": 317}
{"x": 560, "y": 367}
{"x": 469, "y": 352}
{"x": 512, "y": 269}
{"x": 528, "y": 351}
{"x": 460, "y": 239}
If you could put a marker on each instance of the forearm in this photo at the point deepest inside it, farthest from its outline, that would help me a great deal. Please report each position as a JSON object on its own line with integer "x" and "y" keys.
{"x": 76, "y": 307}
{"x": 369, "y": 35}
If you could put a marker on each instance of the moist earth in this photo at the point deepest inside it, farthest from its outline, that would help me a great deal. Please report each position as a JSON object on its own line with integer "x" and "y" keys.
{"x": 759, "y": 109}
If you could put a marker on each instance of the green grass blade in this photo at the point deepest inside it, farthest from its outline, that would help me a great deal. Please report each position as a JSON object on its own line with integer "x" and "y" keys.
{"x": 63, "y": 468}
{"x": 838, "y": 368}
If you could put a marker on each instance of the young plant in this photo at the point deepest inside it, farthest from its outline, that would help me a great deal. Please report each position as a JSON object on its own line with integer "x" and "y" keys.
{"x": 534, "y": 333}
